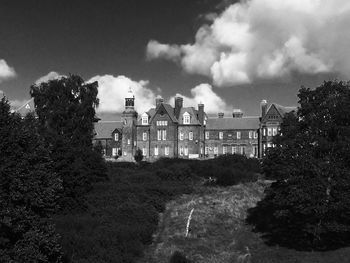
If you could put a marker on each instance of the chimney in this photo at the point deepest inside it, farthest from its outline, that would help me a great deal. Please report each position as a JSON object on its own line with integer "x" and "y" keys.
{"x": 263, "y": 105}
{"x": 221, "y": 115}
{"x": 159, "y": 100}
{"x": 237, "y": 113}
{"x": 178, "y": 106}
{"x": 201, "y": 113}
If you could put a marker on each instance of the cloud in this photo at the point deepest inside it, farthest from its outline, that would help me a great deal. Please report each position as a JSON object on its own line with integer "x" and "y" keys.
{"x": 204, "y": 93}
{"x": 6, "y": 71}
{"x": 50, "y": 76}
{"x": 113, "y": 90}
{"x": 268, "y": 39}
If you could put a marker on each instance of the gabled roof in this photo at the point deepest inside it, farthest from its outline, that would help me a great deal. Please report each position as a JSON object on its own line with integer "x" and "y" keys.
{"x": 169, "y": 110}
{"x": 27, "y": 107}
{"x": 151, "y": 112}
{"x": 104, "y": 129}
{"x": 192, "y": 112}
{"x": 230, "y": 123}
{"x": 283, "y": 110}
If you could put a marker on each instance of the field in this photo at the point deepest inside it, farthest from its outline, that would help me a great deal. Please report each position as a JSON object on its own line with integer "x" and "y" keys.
{"x": 218, "y": 231}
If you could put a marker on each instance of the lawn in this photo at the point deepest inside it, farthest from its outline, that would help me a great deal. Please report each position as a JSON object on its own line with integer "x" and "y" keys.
{"x": 219, "y": 233}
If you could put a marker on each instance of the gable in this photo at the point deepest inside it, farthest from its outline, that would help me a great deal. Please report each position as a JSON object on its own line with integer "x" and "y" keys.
{"x": 272, "y": 114}
{"x": 164, "y": 110}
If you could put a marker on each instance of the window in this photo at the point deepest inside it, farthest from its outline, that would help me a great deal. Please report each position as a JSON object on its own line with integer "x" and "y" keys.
{"x": 190, "y": 136}
{"x": 181, "y": 150}
{"x": 269, "y": 131}
{"x": 144, "y": 136}
{"x": 186, "y": 151}
{"x": 181, "y": 136}
{"x": 269, "y": 145}
{"x": 116, "y": 136}
{"x": 124, "y": 153}
{"x": 144, "y": 120}
{"x": 166, "y": 150}
{"x": 159, "y": 135}
{"x": 264, "y": 131}
{"x": 239, "y": 135}
{"x": 128, "y": 141}
{"x": 234, "y": 149}
{"x": 250, "y": 134}
{"x": 216, "y": 150}
{"x": 114, "y": 151}
{"x": 224, "y": 150}
{"x": 255, "y": 135}
{"x": 207, "y": 135}
{"x": 243, "y": 150}
{"x": 274, "y": 131}
{"x": 156, "y": 151}
{"x": 162, "y": 123}
{"x": 255, "y": 150}
{"x": 221, "y": 135}
{"x": 144, "y": 151}
{"x": 186, "y": 118}
{"x": 164, "y": 135}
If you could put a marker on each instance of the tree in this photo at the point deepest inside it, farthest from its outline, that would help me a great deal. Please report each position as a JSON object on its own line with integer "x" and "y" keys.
{"x": 308, "y": 207}
{"x": 28, "y": 192}
{"x": 138, "y": 155}
{"x": 66, "y": 113}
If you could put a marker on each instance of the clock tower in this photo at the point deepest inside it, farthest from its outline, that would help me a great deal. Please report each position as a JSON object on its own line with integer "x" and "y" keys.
{"x": 129, "y": 120}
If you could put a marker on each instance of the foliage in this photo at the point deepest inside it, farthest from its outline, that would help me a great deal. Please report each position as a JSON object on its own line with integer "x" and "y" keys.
{"x": 177, "y": 257}
{"x": 28, "y": 192}
{"x": 138, "y": 155}
{"x": 308, "y": 207}
{"x": 66, "y": 113}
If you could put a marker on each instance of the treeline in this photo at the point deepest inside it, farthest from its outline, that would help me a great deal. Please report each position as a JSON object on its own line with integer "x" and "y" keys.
{"x": 308, "y": 205}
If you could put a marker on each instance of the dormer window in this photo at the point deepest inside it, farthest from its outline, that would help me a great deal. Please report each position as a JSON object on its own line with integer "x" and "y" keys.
{"x": 144, "y": 118}
{"x": 187, "y": 118}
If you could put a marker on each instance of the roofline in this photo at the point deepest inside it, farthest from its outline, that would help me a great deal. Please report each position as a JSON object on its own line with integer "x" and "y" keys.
{"x": 25, "y": 104}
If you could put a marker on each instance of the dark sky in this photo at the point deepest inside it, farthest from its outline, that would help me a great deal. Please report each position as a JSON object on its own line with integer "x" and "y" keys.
{"x": 109, "y": 37}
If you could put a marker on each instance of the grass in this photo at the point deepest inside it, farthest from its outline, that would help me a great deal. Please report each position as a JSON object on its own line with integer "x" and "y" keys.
{"x": 218, "y": 231}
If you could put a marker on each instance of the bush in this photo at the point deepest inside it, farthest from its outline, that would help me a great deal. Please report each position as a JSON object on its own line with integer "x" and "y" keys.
{"x": 177, "y": 257}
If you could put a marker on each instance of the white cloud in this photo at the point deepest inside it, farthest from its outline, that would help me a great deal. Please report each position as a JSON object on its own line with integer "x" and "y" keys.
{"x": 266, "y": 39}
{"x": 50, "y": 76}
{"x": 204, "y": 93}
{"x": 6, "y": 71}
{"x": 113, "y": 90}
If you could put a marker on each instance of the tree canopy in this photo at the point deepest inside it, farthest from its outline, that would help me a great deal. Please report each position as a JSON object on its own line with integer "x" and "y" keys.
{"x": 66, "y": 112}
{"x": 308, "y": 207}
{"x": 28, "y": 192}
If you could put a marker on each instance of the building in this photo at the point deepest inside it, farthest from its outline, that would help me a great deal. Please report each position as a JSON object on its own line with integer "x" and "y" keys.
{"x": 184, "y": 132}
{"x": 187, "y": 132}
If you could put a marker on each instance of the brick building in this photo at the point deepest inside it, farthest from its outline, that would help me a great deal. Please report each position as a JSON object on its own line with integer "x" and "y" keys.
{"x": 188, "y": 132}
{"x": 184, "y": 132}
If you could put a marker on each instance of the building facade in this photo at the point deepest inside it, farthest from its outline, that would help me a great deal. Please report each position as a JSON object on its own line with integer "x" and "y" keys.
{"x": 187, "y": 132}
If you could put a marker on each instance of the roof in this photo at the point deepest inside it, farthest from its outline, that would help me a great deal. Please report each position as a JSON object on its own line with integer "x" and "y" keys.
{"x": 192, "y": 112}
{"x": 27, "y": 107}
{"x": 104, "y": 129}
{"x": 230, "y": 123}
{"x": 283, "y": 109}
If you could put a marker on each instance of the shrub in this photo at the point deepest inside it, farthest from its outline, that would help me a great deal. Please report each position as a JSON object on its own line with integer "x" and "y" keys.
{"x": 177, "y": 257}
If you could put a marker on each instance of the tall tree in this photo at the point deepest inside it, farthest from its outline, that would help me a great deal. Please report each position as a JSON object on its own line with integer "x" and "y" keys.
{"x": 308, "y": 207}
{"x": 66, "y": 112}
{"x": 28, "y": 192}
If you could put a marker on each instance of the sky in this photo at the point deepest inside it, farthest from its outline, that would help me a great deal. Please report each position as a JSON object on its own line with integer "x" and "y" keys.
{"x": 224, "y": 53}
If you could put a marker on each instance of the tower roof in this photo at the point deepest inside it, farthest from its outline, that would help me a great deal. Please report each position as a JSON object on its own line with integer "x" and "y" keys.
{"x": 130, "y": 94}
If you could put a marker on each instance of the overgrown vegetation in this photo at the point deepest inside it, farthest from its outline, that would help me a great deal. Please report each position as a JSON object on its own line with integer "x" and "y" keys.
{"x": 308, "y": 206}
{"x": 123, "y": 212}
